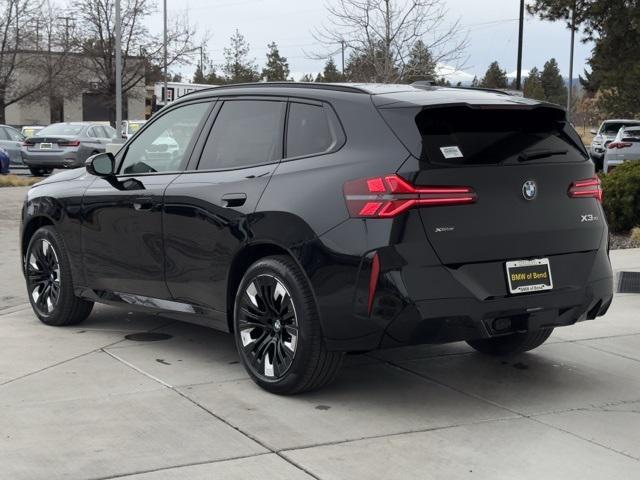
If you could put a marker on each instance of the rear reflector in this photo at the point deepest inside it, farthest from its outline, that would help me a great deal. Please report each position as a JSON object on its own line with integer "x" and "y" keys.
{"x": 373, "y": 281}
{"x": 391, "y": 195}
{"x": 587, "y": 188}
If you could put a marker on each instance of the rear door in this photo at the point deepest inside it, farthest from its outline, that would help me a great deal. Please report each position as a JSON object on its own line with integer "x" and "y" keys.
{"x": 521, "y": 162}
{"x": 208, "y": 210}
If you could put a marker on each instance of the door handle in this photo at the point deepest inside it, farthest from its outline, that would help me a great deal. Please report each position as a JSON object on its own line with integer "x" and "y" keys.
{"x": 143, "y": 203}
{"x": 233, "y": 199}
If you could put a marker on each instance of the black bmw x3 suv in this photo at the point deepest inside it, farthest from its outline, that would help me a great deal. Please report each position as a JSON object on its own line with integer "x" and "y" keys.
{"x": 311, "y": 220}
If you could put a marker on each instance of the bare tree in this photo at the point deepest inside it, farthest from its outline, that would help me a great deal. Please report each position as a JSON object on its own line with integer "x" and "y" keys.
{"x": 95, "y": 40}
{"x": 380, "y": 34}
{"x": 16, "y": 29}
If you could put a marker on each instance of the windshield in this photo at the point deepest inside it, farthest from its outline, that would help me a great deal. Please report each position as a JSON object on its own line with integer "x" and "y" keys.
{"x": 612, "y": 128}
{"x": 61, "y": 129}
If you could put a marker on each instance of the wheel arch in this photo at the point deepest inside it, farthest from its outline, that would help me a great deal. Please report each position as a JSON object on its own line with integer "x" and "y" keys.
{"x": 241, "y": 262}
{"x": 31, "y": 227}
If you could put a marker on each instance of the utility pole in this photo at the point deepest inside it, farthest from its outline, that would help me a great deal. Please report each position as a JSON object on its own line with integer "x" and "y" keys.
{"x": 166, "y": 87}
{"x": 520, "y": 38}
{"x": 342, "y": 48}
{"x": 118, "y": 72}
{"x": 573, "y": 38}
{"x": 201, "y": 61}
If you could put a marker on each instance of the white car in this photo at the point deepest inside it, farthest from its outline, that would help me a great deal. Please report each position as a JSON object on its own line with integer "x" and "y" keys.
{"x": 624, "y": 147}
{"x": 605, "y": 135}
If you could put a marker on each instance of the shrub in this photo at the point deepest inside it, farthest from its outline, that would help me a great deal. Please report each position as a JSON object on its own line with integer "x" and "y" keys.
{"x": 16, "y": 181}
{"x": 622, "y": 196}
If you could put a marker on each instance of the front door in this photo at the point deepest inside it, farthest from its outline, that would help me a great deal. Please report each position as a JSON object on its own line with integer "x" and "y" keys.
{"x": 122, "y": 239}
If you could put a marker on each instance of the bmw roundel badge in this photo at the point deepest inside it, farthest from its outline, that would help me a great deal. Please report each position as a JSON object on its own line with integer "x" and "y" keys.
{"x": 529, "y": 190}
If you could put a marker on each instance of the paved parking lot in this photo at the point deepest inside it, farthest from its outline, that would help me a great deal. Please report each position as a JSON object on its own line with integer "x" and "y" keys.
{"x": 83, "y": 402}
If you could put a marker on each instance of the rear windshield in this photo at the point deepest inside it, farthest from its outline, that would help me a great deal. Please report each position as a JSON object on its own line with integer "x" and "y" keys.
{"x": 612, "y": 128}
{"x": 61, "y": 129}
{"x": 631, "y": 135}
{"x": 459, "y": 136}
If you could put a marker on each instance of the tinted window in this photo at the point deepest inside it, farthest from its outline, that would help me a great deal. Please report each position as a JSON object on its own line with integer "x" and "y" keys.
{"x": 308, "y": 130}
{"x": 61, "y": 129}
{"x": 612, "y": 128}
{"x": 458, "y": 136}
{"x": 163, "y": 146}
{"x": 246, "y": 132}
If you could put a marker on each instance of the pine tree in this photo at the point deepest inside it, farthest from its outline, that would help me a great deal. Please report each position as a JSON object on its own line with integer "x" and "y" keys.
{"x": 555, "y": 90}
{"x": 238, "y": 67}
{"x": 330, "y": 73}
{"x": 475, "y": 83}
{"x": 533, "y": 85}
{"x": 420, "y": 65}
{"x": 277, "y": 68}
{"x": 198, "y": 76}
{"x": 495, "y": 77}
{"x": 307, "y": 77}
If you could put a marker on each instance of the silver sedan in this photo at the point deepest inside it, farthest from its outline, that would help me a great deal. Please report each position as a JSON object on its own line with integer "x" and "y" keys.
{"x": 65, "y": 145}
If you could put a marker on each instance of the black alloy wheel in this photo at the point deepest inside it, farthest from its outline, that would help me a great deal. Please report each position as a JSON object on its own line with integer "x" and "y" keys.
{"x": 277, "y": 329}
{"x": 268, "y": 327}
{"x": 43, "y": 277}
{"x": 49, "y": 283}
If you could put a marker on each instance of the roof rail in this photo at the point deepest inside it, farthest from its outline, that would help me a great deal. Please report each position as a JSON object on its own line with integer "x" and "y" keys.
{"x": 309, "y": 85}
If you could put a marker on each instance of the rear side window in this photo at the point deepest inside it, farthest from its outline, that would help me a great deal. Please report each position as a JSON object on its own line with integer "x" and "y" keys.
{"x": 308, "y": 130}
{"x": 631, "y": 135}
{"x": 460, "y": 136}
{"x": 245, "y": 133}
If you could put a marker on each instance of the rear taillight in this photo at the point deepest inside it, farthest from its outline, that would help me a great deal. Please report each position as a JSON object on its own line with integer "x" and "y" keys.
{"x": 69, "y": 143}
{"x": 391, "y": 195}
{"x": 615, "y": 145}
{"x": 587, "y": 188}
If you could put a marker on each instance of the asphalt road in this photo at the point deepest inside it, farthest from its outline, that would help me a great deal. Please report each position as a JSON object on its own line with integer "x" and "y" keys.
{"x": 84, "y": 402}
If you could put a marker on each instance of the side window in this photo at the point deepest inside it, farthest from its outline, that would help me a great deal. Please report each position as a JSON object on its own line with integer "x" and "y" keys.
{"x": 4, "y": 134}
{"x": 246, "y": 133}
{"x": 109, "y": 131}
{"x": 163, "y": 145}
{"x": 308, "y": 130}
{"x": 15, "y": 135}
{"x": 93, "y": 132}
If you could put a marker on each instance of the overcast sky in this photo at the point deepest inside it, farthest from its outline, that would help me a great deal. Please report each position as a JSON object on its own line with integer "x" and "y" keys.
{"x": 492, "y": 27}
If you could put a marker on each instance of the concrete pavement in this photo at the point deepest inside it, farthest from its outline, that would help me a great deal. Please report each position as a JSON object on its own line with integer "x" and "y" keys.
{"x": 84, "y": 402}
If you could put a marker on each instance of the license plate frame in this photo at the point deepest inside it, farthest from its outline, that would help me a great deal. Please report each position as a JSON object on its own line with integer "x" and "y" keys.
{"x": 46, "y": 146}
{"x": 529, "y": 276}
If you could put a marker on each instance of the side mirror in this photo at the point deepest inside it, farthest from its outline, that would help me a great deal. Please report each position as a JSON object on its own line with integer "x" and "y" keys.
{"x": 594, "y": 131}
{"x": 101, "y": 164}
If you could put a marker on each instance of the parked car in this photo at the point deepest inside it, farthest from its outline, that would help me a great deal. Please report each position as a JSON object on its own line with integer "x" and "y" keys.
{"x": 31, "y": 130}
{"x": 604, "y": 136}
{"x": 131, "y": 127}
{"x": 4, "y": 162}
{"x": 626, "y": 146}
{"x": 11, "y": 142}
{"x": 65, "y": 145}
{"x": 311, "y": 220}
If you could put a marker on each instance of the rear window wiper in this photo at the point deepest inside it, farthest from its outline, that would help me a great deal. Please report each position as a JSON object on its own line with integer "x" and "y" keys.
{"x": 536, "y": 154}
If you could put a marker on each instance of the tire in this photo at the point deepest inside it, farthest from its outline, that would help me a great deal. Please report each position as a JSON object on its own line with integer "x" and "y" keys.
{"x": 277, "y": 329}
{"x": 40, "y": 171}
{"x": 511, "y": 344}
{"x": 49, "y": 282}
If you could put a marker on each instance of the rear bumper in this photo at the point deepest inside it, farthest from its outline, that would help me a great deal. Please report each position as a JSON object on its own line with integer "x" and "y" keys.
{"x": 419, "y": 301}
{"x": 63, "y": 159}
